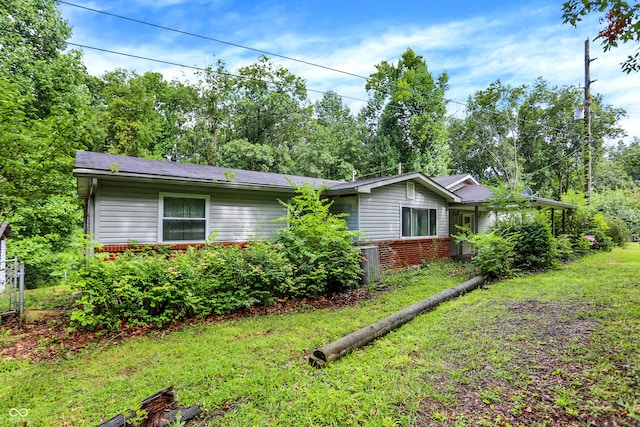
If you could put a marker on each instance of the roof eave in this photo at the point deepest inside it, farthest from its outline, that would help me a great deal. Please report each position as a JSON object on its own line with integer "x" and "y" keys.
{"x": 426, "y": 182}
{"x": 548, "y": 203}
{"x": 461, "y": 180}
{"x": 92, "y": 173}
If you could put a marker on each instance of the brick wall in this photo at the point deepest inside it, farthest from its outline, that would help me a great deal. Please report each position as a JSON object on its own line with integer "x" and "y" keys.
{"x": 392, "y": 253}
{"x": 117, "y": 249}
{"x": 404, "y": 253}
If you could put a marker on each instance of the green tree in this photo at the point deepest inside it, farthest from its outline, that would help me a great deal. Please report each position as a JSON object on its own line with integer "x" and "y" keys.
{"x": 36, "y": 161}
{"x": 620, "y": 167}
{"x": 269, "y": 106}
{"x": 627, "y": 156}
{"x": 242, "y": 154}
{"x": 484, "y": 144}
{"x": 133, "y": 123}
{"x": 211, "y": 123}
{"x": 44, "y": 118}
{"x": 527, "y": 136}
{"x": 621, "y": 20}
{"x": 332, "y": 148}
{"x": 37, "y": 191}
{"x": 405, "y": 116}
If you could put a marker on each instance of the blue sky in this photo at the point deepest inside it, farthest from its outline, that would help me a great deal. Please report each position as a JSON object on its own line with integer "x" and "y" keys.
{"x": 475, "y": 42}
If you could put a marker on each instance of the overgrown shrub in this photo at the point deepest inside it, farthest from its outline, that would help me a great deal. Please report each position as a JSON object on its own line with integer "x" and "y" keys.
{"x": 534, "y": 247}
{"x": 148, "y": 287}
{"x": 44, "y": 230}
{"x": 587, "y": 220}
{"x": 618, "y": 231}
{"x": 314, "y": 254}
{"x": 318, "y": 245}
{"x": 495, "y": 254}
{"x": 563, "y": 249}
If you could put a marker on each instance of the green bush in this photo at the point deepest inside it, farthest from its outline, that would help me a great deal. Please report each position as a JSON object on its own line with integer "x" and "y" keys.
{"x": 318, "y": 245}
{"x": 563, "y": 249}
{"x": 534, "y": 247}
{"x": 588, "y": 221}
{"x": 618, "y": 231}
{"x": 495, "y": 254}
{"x": 314, "y": 254}
{"x": 148, "y": 287}
{"x": 44, "y": 230}
{"x": 39, "y": 259}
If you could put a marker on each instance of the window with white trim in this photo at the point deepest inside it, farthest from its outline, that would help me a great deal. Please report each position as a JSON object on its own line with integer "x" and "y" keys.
{"x": 418, "y": 222}
{"x": 183, "y": 218}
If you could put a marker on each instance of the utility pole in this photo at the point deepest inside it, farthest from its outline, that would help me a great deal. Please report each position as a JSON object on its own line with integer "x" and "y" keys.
{"x": 587, "y": 115}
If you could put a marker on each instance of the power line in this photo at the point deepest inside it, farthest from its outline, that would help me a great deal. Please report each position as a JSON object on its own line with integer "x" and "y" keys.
{"x": 259, "y": 51}
{"x": 264, "y": 52}
{"x": 162, "y": 27}
{"x": 197, "y": 68}
{"x": 177, "y": 64}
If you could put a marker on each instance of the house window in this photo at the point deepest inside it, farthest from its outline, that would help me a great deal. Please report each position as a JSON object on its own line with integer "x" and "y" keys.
{"x": 183, "y": 218}
{"x": 418, "y": 222}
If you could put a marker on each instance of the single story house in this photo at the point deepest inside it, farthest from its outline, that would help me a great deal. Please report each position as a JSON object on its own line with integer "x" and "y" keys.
{"x": 132, "y": 201}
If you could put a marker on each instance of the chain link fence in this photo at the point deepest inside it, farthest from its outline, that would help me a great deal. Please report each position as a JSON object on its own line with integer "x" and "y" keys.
{"x": 11, "y": 287}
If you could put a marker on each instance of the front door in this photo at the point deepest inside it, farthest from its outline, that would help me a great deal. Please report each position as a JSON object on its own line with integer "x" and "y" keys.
{"x": 467, "y": 222}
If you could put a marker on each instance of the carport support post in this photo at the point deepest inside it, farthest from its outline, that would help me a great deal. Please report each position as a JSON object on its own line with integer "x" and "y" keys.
{"x": 553, "y": 222}
{"x": 476, "y": 217}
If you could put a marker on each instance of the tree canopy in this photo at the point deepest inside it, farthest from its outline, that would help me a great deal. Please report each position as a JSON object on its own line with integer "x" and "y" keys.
{"x": 406, "y": 116}
{"x": 621, "y": 20}
{"x": 527, "y": 136}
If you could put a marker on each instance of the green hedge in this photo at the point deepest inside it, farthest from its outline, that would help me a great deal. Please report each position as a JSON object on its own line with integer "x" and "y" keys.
{"x": 313, "y": 255}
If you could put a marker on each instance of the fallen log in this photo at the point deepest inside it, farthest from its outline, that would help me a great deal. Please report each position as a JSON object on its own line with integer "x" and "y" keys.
{"x": 156, "y": 405}
{"x": 158, "y": 409}
{"x": 185, "y": 415}
{"x": 361, "y": 337}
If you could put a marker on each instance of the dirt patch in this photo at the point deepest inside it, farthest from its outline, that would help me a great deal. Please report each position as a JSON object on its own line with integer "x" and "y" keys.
{"x": 540, "y": 381}
{"x": 51, "y": 337}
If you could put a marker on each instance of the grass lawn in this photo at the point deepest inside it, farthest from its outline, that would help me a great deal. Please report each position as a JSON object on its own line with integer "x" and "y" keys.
{"x": 559, "y": 348}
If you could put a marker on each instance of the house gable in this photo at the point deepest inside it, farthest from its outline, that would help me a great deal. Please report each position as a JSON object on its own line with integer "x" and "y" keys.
{"x": 366, "y": 186}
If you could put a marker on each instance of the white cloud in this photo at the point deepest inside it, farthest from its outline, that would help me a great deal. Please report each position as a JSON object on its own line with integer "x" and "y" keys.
{"x": 516, "y": 48}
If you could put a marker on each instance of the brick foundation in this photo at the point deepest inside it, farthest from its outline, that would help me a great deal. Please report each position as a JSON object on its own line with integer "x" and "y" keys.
{"x": 404, "y": 253}
{"x": 392, "y": 253}
{"x": 118, "y": 249}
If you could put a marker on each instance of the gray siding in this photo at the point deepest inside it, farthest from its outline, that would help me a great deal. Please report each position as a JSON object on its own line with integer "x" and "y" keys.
{"x": 126, "y": 212}
{"x": 238, "y": 216}
{"x": 129, "y": 212}
{"x": 348, "y": 205}
{"x": 380, "y": 210}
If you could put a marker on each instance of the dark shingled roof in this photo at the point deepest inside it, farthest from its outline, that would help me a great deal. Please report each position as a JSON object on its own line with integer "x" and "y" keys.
{"x": 474, "y": 193}
{"x": 353, "y": 184}
{"x": 448, "y": 180}
{"x": 89, "y": 163}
